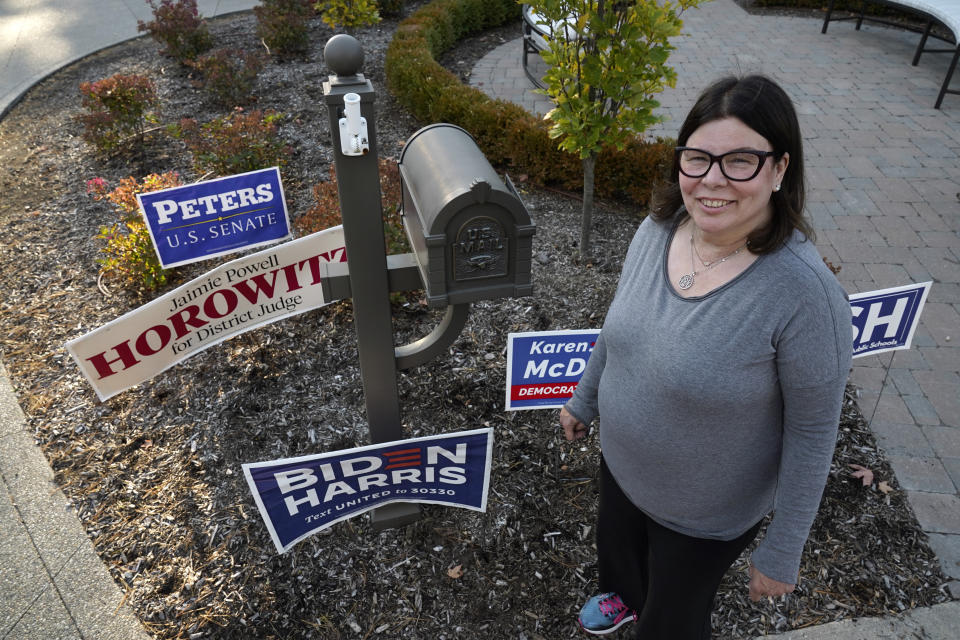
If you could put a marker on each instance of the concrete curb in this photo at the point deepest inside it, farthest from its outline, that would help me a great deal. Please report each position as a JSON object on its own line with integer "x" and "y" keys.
{"x": 41, "y": 37}
{"x": 939, "y": 622}
{"x": 53, "y": 581}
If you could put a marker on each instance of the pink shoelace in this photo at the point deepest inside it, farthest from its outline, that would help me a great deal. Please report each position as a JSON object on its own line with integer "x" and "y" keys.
{"x": 613, "y": 606}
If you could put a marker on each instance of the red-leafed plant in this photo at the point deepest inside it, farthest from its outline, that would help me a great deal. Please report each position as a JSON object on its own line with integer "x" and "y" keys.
{"x": 178, "y": 26}
{"x": 116, "y": 109}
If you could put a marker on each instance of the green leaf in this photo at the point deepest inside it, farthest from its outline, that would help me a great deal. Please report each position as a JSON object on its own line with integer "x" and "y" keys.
{"x": 603, "y": 80}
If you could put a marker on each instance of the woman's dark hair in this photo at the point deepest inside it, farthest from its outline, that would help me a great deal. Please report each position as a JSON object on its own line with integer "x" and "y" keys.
{"x": 762, "y": 105}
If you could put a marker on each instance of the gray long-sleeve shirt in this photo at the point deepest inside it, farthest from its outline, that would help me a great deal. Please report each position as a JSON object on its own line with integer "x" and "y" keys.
{"x": 716, "y": 409}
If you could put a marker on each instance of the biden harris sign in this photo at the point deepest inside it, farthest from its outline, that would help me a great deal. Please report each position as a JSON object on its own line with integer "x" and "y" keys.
{"x": 212, "y": 218}
{"x": 300, "y": 496}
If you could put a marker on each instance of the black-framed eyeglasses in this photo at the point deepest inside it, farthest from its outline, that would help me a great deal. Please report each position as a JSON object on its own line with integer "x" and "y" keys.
{"x": 739, "y": 166}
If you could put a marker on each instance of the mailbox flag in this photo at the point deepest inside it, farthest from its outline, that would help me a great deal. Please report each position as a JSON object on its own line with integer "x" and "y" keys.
{"x": 300, "y": 496}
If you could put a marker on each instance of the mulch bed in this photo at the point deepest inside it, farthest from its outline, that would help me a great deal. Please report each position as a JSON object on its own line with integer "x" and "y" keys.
{"x": 155, "y": 472}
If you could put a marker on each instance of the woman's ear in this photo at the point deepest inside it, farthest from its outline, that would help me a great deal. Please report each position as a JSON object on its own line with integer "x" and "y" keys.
{"x": 780, "y": 169}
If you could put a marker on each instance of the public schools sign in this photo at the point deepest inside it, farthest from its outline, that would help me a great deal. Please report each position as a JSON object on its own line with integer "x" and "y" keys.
{"x": 300, "y": 496}
{"x": 544, "y": 367}
{"x": 885, "y": 320}
{"x": 212, "y": 218}
{"x": 234, "y": 298}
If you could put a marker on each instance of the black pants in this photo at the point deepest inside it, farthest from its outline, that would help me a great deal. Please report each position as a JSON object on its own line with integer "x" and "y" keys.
{"x": 668, "y": 578}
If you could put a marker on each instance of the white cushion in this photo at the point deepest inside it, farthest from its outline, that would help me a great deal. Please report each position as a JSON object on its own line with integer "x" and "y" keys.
{"x": 946, "y": 11}
{"x": 541, "y": 27}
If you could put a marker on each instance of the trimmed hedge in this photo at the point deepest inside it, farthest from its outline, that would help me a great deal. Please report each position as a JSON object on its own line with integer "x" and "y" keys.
{"x": 507, "y": 134}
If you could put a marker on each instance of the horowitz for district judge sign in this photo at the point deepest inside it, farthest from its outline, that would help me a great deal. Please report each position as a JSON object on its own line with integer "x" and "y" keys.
{"x": 243, "y": 294}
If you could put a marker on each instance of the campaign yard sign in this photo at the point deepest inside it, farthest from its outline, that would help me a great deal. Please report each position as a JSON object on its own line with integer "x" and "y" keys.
{"x": 544, "y": 367}
{"x": 885, "y": 320}
{"x": 215, "y": 217}
{"x": 234, "y": 298}
{"x": 300, "y": 496}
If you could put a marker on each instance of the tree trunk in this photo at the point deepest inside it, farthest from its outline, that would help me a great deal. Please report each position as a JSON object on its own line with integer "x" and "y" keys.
{"x": 589, "y": 163}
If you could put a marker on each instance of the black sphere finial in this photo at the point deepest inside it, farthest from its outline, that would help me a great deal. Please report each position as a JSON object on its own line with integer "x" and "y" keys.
{"x": 343, "y": 55}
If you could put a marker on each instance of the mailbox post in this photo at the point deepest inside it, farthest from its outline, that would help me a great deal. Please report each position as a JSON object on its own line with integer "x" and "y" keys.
{"x": 471, "y": 234}
{"x": 359, "y": 191}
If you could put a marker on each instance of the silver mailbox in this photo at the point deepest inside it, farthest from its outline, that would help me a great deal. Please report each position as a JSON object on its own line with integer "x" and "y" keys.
{"x": 471, "y": 234}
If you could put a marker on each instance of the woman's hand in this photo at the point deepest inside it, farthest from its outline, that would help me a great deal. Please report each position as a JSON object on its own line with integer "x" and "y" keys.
{"x": 761, "y": 586}
{"x": 573, "y": 429}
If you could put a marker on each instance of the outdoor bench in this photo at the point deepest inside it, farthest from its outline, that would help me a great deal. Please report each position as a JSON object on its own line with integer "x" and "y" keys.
{"x": 944, "y": 12}
{"x": 536, "y": 30}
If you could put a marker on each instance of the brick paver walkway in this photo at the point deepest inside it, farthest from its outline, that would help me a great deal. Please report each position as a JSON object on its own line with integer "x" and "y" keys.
{"x": 883, "y": 188}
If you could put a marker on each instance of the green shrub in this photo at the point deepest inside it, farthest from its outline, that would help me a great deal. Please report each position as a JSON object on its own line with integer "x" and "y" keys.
{"x": 325, "y": 212}
{"x": 283, "y": 26}
{"x": 348, "y": 13}
{"x": 129, "y": 257}
{"x": 177, "y": 25}
{"x": 390, "y": 7}
{"x": 235, "y": 144}
{"x": 229, "y": 75}
{"x": 507, "y": 134}
{"x": 117, "y": 108}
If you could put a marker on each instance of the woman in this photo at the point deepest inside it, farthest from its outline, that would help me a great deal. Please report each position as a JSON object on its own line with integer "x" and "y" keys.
{"x": 719, "y": 375}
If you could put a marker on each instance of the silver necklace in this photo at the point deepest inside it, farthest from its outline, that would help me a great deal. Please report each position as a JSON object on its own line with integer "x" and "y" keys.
{"x": 689, "y": 279}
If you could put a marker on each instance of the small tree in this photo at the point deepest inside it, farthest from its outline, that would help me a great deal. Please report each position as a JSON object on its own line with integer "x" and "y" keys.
{"x": 606, "y": 60}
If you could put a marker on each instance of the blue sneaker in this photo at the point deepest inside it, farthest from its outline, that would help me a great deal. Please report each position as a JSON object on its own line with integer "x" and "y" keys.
{"x": 604, "y": 614}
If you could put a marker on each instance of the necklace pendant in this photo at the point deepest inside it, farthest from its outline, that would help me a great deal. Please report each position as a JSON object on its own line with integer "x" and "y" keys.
{"x": 685, "y": 282}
